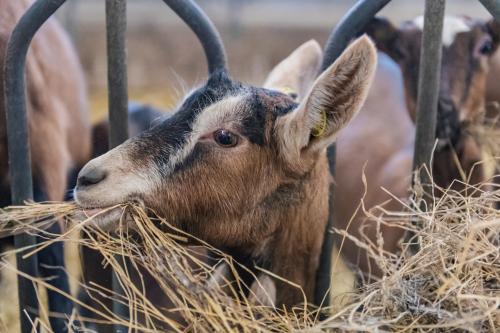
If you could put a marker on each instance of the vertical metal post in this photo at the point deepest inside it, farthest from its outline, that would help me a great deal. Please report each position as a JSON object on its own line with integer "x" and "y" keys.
{"x": 21, "y": 182}
{"x": 428, "y": 84}
{"x": 428, "y": 88}
{"x": 350, "y": 25}
{"x": 116, "y": 27}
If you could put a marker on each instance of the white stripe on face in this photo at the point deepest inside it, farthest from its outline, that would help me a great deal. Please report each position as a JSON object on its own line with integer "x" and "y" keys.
{"x": 129, "y": 179}
{"x": 452, "y": 26}
{"x": 124, "y": 179}
{"x": 216, "y": 116}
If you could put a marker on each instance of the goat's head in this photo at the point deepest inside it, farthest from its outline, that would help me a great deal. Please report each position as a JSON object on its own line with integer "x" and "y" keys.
{"x": 467, "y": 46}
{"x": 232, "y": 152}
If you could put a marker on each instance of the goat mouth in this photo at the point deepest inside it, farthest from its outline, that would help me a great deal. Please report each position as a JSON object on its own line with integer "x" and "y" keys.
{"x": 106, "y": 218}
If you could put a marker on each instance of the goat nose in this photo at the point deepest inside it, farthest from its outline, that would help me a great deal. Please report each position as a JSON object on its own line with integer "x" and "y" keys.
{"x": 90, "y": 176}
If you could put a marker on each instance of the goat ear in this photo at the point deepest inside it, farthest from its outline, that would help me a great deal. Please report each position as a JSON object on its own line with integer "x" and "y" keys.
{"x": 295, "y": 74}
{"x": 386, "y": 37}
{"x": 334, "y": 99}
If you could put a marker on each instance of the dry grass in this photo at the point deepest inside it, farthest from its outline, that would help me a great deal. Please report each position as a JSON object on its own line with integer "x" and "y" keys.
{"x": 452, "y": 283}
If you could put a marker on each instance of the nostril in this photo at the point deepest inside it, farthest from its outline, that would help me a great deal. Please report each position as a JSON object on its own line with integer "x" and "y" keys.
{"x": 90, "y": 177}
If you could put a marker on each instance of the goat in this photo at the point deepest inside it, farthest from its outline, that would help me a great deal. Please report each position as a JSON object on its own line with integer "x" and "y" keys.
{"x": 382, "y": 136}
{"x": 241, "y": 167}
{"x": 59, "y": 131}
{"x": 303, "y": 63}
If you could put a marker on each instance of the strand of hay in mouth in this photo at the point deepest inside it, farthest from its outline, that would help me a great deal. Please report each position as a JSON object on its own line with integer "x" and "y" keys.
{"x": 451, "y": 284}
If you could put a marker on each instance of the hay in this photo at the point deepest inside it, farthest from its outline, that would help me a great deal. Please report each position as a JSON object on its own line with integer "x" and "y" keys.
{"x": 33, "y": 217}
{"x": 451, "y": 284}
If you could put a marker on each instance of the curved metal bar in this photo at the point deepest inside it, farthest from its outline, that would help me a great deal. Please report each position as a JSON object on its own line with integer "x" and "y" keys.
{"x": 21, "y": 182}
{"x": 493, "y": 6}
{"x": 205, "y": 30}
{"x": 348, "y": 27}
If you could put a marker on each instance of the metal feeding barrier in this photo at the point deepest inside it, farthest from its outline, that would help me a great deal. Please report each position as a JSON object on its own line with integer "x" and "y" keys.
{"x": 349, "y": 27}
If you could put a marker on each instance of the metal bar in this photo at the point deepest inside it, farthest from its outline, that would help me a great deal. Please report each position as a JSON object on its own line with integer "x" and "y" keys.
{"x": 428, "y": 93}
{"x": 205, "y": 30}
{"x": 493, "y": 6}
{"x": 428, "y": 84}
{"x": 116, "y": 28}
{"x": 324, "y": 271}
{"x": 349, "y": 26}
{"x": 21, "y": 182}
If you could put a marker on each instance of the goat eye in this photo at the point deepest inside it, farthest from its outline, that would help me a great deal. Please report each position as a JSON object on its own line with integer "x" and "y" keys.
{"x": 486, "y": 48}
{"x": 225, "y": 138}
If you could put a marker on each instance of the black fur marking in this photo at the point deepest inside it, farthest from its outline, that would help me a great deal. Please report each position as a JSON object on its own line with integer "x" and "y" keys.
{"x": 171, "y": 134}
{"x": 195, "y": 155}
{"x": 254, "y": 125}
{"x": 264, "y": 105}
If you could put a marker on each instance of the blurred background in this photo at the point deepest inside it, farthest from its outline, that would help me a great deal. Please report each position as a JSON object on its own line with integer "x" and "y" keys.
{"x": 165, "y": 59}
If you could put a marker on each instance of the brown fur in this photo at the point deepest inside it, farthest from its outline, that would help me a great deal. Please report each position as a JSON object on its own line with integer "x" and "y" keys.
{"x": 58, "y": 119}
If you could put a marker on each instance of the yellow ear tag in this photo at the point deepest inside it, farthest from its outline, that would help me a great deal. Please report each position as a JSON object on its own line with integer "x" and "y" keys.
{"x": 319, "y": 129}
{"x": 288, "y": 91}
